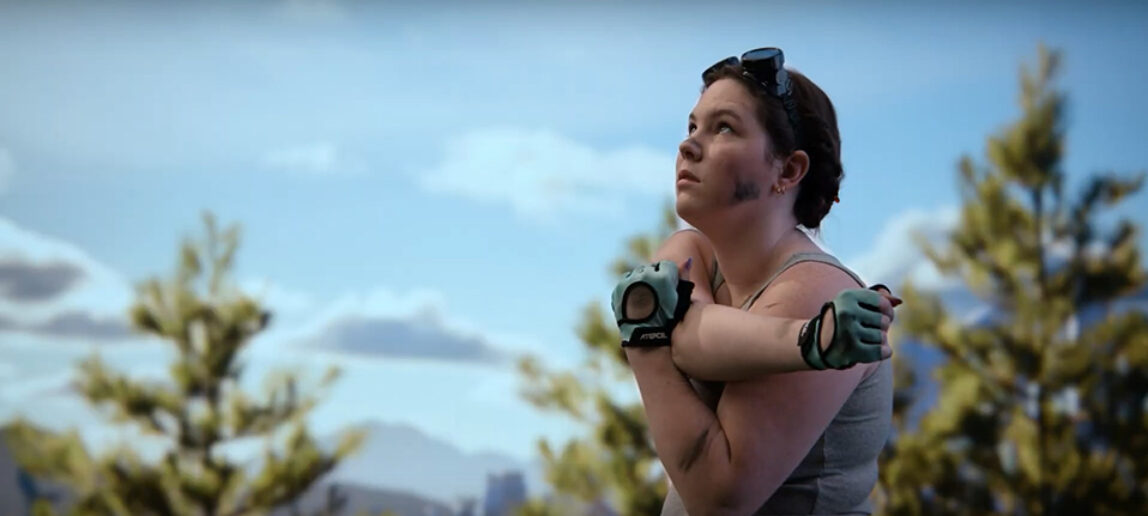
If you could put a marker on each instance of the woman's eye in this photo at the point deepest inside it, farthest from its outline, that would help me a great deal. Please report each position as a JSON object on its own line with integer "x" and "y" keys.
{"x": 690, "y": 129}
{"x": 724, "y": 127}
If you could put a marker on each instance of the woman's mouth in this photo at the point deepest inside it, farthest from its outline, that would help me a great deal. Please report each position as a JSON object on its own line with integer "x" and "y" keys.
{"x": 686, "y": 177}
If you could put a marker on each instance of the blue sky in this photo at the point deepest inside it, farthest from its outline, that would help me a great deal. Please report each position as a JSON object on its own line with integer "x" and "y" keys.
{"x": 460, "y": 175}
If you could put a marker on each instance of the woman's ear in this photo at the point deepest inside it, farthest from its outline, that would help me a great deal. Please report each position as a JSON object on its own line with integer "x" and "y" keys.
{"x": 795, "y": 168}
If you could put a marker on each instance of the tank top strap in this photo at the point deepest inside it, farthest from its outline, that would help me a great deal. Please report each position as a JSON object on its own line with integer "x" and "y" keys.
{"x": 716, "y": 279}
{"x": 795, "y": 259}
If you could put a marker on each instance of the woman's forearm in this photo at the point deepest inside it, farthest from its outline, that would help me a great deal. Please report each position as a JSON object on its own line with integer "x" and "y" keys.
{"x": 721, "y": 343}
{"x": 688, "y": 436}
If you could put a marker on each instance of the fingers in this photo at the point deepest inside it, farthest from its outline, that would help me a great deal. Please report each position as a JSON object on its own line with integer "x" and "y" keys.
{"x": 882, "y": 289}
{"x": 871, "y": 336}
{"x": 876, "y": 353}
{"x": 885, "y": 306}
{"x": 684, "y": 269}
{"x": 871, "y": 319}
{"x": 868, "y": 299}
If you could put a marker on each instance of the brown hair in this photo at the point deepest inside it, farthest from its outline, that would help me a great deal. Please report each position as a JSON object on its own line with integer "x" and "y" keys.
{"x": 819, "y": 139}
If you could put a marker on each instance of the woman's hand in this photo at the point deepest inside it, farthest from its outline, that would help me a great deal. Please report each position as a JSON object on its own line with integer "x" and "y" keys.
{"x": 648, "y": 302}
{"x": 853, "y": 328}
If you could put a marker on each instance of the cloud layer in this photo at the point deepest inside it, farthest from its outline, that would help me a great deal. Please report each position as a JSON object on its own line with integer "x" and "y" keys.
{"x": 50, "y": 288}
{"x": 895, "y": 255}
{"x": 388, "y": 325}
{"x": 33, "y": 282}
{"x": 542, "y": 174}
{"x": 53, "y": 288}
{"x": 318, "y": 159}
{"x": 405, "y": 338}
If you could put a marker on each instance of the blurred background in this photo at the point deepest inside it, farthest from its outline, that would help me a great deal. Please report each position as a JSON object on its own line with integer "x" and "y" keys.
{"x": 433, "y": 199}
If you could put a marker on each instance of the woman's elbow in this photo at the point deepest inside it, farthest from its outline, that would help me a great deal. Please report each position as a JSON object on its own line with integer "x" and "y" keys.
{"x": 688, "y": 355}
{"x": 728, "y": 493}
{"x": 738, "y": 490}
{"x": 723, "y": 503}
{"x": 698, "y": 363}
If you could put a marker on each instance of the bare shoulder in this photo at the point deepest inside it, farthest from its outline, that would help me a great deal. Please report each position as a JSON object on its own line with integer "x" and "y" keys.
{"x": 688, "y": 244}
{"x": 698, "y": 242}
{"x": 801, "y": 290}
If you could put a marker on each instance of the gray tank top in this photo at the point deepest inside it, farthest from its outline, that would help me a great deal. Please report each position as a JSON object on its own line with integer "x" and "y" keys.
{"x": 839, "y": 472}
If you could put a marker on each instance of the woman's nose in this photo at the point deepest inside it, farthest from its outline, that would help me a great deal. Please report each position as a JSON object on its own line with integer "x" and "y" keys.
{"x": 690, "y": 150}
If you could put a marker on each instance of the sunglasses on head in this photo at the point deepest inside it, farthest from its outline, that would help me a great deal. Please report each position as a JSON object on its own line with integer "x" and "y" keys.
{"x": 764, "y": 67}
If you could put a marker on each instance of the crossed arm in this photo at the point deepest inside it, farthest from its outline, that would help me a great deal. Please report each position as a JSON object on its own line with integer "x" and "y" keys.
{"x": 731, "y": 459}
{"x": 722, "y": 343}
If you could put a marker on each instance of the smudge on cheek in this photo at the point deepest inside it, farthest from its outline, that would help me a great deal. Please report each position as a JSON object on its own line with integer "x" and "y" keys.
{"x": 744, "y": 191}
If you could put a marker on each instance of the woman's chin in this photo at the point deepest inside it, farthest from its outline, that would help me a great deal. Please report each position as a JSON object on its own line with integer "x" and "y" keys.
{"x": 687, "y": 208}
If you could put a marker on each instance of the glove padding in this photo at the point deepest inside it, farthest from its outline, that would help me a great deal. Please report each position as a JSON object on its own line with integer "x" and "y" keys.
{"x": 857, "y": 331}
{"x": 648, "y": 303}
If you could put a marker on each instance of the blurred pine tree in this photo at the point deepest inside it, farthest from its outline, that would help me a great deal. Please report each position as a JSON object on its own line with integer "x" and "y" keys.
{"x": 209, "y": 322}
{"x": 615, "y": 464}
{"x": 1042, "y": 401}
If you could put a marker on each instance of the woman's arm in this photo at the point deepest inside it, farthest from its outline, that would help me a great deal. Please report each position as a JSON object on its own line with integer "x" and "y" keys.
{"x": 722, "y": 343}
{"x": 731, "y": 460}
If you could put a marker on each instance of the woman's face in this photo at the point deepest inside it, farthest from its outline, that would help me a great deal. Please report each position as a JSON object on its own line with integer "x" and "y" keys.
{"x": 726, "y": 159}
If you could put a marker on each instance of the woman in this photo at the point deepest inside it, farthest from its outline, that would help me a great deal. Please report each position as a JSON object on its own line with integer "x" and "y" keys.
{"x": 761, "y": 161}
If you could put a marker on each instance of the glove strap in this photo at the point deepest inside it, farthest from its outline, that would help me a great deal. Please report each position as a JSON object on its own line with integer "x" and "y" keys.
{"x": 685, "y": 289}
{"x": 648, "y": 338}
{"x": 809, "y": 339}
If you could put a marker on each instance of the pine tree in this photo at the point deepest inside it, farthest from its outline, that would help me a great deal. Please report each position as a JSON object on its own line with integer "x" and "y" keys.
{"x": 208, "y": 322}
{"x": 1042, "y": 404}
{"x": 616, "y": 462}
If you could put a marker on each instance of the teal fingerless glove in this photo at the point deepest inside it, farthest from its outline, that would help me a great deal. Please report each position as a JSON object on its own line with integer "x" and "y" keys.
{"x": 648, "y": 302}
{"x": 857, "y": 331}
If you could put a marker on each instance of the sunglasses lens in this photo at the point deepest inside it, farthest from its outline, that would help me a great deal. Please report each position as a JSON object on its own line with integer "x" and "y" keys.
{"x": 729, "y": 61}
{"x": 761, "y": 54}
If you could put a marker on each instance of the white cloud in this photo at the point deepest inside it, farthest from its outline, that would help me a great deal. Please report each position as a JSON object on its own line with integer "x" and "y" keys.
{"x": 284, "y": 302}
{"x": 7, "y": 168}
{"x": 896, "y": 256}
{"x": 541, "y": 174}
{"x": 319, "y": 158}
{"x": 389, "y": 325}
{"x": 52, "y": 289}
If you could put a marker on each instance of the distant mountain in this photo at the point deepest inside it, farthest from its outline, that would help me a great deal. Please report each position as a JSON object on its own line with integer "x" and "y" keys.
{"x": 401, "y": 457}
{"x": 17, "y": 489}
{"x": 11, "y": 497}
{"x": 399, "y": 469}
{"x": 372, "y": 501}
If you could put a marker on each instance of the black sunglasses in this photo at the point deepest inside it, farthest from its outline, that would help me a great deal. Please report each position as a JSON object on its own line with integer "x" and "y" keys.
{"x": 766, "y": 68}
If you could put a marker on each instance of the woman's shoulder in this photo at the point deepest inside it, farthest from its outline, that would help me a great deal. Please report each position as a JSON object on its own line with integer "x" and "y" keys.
{"x": 824, "y": 261}
{"x": 807, "y": 279}
{"x": 700, "y": 243}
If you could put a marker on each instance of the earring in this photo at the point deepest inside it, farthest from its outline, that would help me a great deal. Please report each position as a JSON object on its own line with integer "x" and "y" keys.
{"x": 778, "y": 189}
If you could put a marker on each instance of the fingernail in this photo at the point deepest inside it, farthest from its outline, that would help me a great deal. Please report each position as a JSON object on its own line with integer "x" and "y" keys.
{"x": 689, "y": 263}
